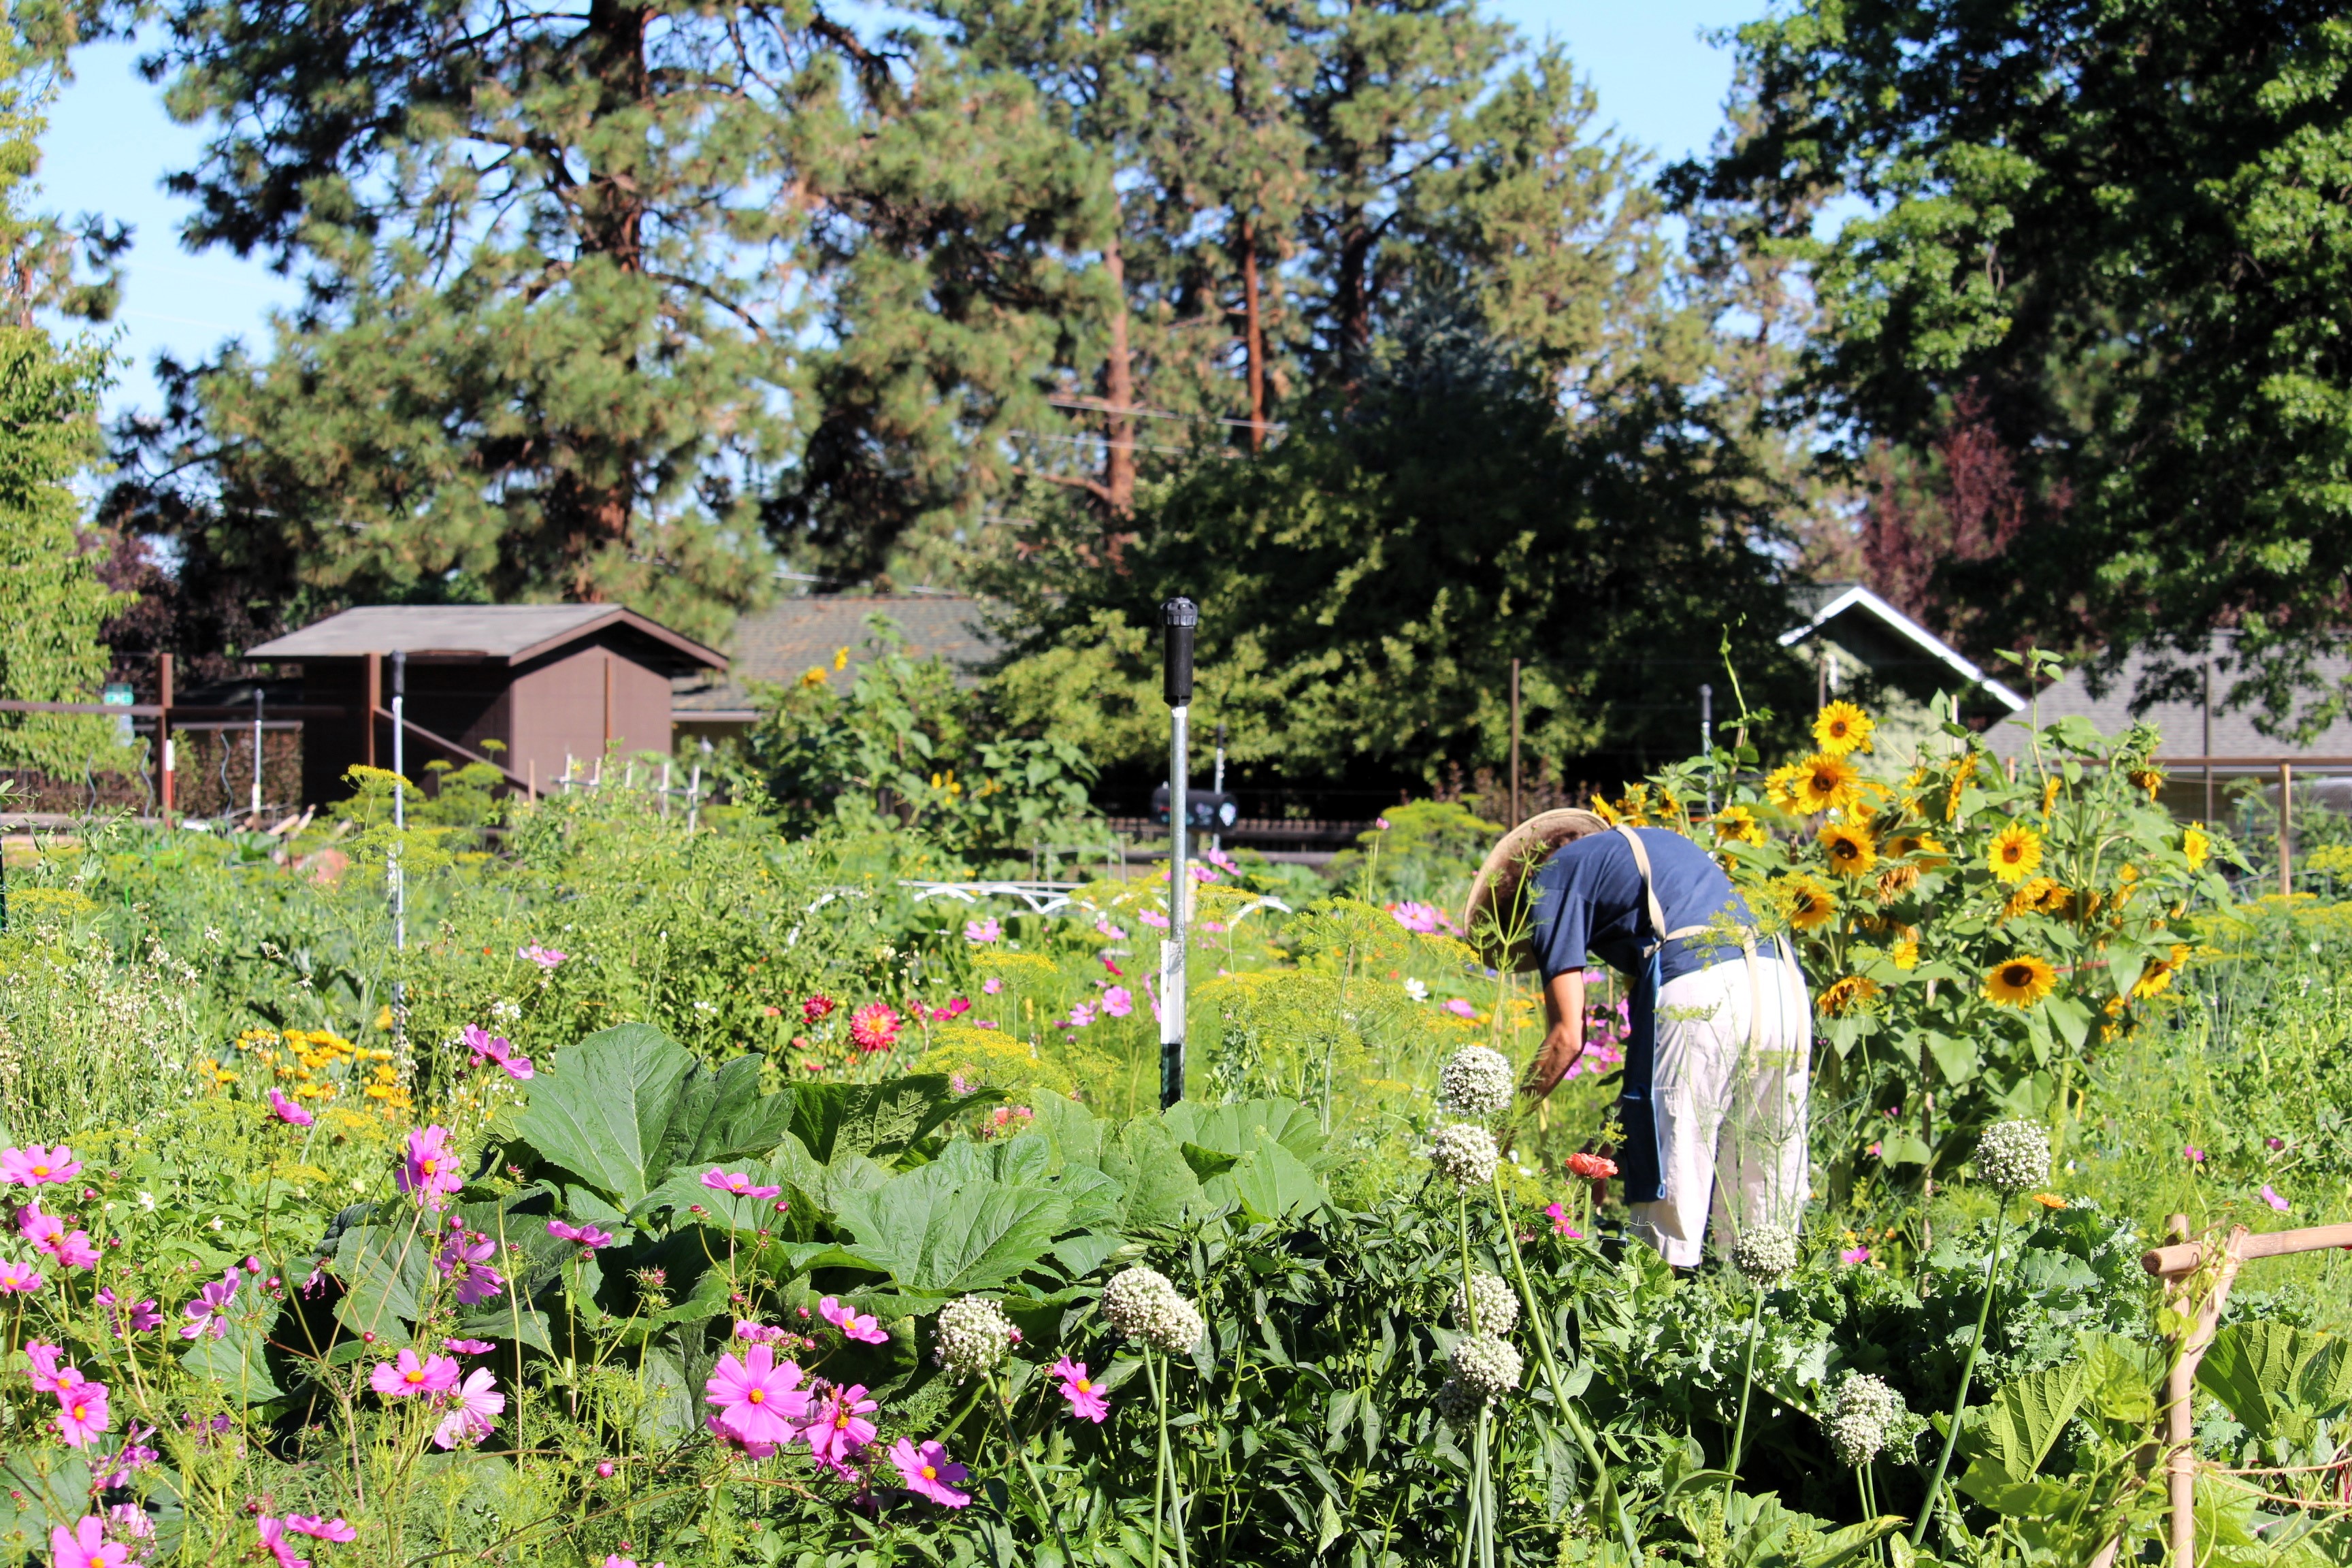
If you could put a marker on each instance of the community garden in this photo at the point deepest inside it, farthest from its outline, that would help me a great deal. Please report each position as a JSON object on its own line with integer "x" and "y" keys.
{"x": 702, "y": 1194}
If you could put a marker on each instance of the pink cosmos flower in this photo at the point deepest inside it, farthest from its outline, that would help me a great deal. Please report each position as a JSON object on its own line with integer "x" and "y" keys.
{"x": 468, "y": 1347}
{"x": 1204, "y": 874}
{"x": 840, "y": 1428}
{"x": 310, "y": 1525}
{"x": 408, "y": 1377}
{"x": 758, "y": 1400}
{"x": 875, "y": 1026}
{"x": 1087, "y": 1400}
{"x": 477, "y": 1401}
{"x": 273, "y": 1536}
{"x": 44, "y": 1358}
{"x": 2271, "y": 1198}
{"x": 735, "y": 1182}
{"x": 726, "y": 1436}
{"x": 466, "y": 1259}
{"x": 143, "y": 1315}
{"x": 85, "y": 1546}
{"x": 1854, "y": 1255}
{"x": 852, "y": 1324}
{"x": 207, "y": 1314}
{"x": 1118, "y": 1001}
{"x": 1108, "y": 930}
{"x": 1082, "y": 1014}
{"x": 1460, "y": 1008}
{"x": 130, "y": 1520}
{"x": 489, "y": 1048}
{"x": 929, "y": 1471}
{"x": 288, "y": 1111}
{"x": 22, "y": 1277}
{"x": 983, "y": 932}
{"x": 75, "y": 1250}
{"x": 430, "y": 1172}
{"x": 2196, "y": 1155}
{"x": 42, "y": 1230}
{"x": 1153, "y": 918}
{"x": 545, "y": 957}
{"x": 992, "y": 986}
{"x": 1559, "y": 1217}
{"x": 81, "y": 1411}
{"x": 33, "y": 1165}
{"x": 1426, "y": 919}
{"x": 587, "y": 1236}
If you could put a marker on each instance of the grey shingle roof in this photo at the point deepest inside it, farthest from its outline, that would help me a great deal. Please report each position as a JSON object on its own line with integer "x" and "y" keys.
{"x": 778, "y": 644}
{"x": 2182, "y": 724}
{"x": 494, "y": 631}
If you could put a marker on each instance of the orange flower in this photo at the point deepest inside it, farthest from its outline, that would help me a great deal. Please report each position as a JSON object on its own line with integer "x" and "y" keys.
{"x": 1592, "y": 1167}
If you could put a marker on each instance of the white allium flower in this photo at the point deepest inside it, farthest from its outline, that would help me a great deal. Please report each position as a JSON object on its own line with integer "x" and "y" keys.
{"x": 1142, "y": 1305}
{"x": 1475, "y": 1084}
{"x": 1457, "y": 1401}
{"x": 2013, "y": 1156}
{"x": 1864, "y": 1415}
{"x": 973, "y": 1336}
{"x": 1486, "y": 1364}
{"x": 1497, "y": 1303}
{"x": 1465, "y": 1154}
{"x": 1765, "y": 1253}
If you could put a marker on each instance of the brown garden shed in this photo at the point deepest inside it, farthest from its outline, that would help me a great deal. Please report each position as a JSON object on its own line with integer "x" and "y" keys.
{"x": 546, "y": 682}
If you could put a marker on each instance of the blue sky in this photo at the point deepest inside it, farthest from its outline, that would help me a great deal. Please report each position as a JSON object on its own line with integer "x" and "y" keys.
{"x": 110, "y": 145}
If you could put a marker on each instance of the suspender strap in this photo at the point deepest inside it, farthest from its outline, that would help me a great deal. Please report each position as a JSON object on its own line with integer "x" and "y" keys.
{"x": 1649, "y": 891}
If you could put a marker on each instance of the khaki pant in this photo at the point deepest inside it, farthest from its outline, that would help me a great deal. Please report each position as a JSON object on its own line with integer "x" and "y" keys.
{"x": 1731, "y": 1115}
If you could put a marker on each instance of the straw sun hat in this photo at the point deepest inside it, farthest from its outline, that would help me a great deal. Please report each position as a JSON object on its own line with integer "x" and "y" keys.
{"x": 1495, "y": 909}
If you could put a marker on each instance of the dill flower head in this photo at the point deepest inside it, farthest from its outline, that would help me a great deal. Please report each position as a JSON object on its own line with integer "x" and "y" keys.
{"x": 1465, "y": 1153}
{"x": 1767, "y": 1253}
{"x": 1497, "y": 1304}
{"x": 2013, "y": 1156}
{"x": 1475, "y": 1084}
{"x": 1865, "y": 1415}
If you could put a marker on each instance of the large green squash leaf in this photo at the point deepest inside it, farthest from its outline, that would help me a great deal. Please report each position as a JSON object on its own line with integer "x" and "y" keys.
{"x": 42, "y": 1487}
{"x": 937, "y": 1233}
{"x": 238, "y": 1362}
{"x": 878, "y": 1120}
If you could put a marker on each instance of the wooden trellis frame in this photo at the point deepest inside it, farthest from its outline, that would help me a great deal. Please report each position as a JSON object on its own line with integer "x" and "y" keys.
{"x": 2177, "y": 1264}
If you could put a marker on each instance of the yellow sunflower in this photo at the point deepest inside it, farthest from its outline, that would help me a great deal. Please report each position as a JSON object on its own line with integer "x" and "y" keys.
{"x": 1851, "y": 850}
{"x": 1846, "y": 994}
{"x": 1841, "y": 728}
{"x": 1824, "y": 783}
{"x": 1781, "y": 786}
{"x": 2148, "y": 779}
{"x": 2157, "y": 975}
{"x": 1906, "y": 952}
{"x": 2016, "y": 851}
{"x": 2020, "y": 982}
{"x": 1811, "y": 905}
{"x": 2195, "y": 844}
{"x": 2038, "y": 896}
{"x": 2049, "y": 797}
{"x": 1634, "y": 807}
{"x": 1737, "y": 825}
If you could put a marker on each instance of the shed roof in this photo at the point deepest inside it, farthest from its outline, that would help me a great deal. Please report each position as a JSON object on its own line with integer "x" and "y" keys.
{"x": 1842, "y": 601}
{"x": 2182, "y": 724}
{"x": 509, "y": 633}
{"x": 778, "y": 644}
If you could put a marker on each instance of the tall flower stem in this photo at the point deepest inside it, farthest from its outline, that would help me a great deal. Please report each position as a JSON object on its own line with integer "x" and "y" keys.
{"x": 1746, "y": 1386}
{"x": 1167, "y": 1498}
{"x": 1539, "y": 1321}
{"x": 1967, "y": 1370}
{"x": 1021, "y": 1452}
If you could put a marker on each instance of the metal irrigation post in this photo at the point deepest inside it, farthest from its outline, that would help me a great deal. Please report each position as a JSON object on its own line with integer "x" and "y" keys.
{"x": 257, "y": 755}
{"x": 1707, "y": 733}
{"x": 1217, "y": 780}
{"x": 399, "y": 832}
{"x": 1178, "y": 618}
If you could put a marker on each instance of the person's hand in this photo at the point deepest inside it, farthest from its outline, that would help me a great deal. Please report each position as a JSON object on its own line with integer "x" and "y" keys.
{"x": 1561, "y": 1046}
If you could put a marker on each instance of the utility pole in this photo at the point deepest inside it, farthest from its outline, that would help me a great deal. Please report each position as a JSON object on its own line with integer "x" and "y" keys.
{"x": 1516, "y": 817}
{"x": 1179, "y": 618}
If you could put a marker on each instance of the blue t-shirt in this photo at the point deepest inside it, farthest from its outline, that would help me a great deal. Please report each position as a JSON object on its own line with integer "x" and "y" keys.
{"x": 1588, "y": 900}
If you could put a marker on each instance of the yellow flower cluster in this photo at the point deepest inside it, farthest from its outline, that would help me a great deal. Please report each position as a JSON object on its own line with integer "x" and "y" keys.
{"x": 307, "y": 1057}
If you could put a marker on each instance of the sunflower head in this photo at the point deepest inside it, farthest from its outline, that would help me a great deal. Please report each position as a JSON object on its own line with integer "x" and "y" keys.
{"x": 2039, "y": 896}
{"x": 1737, "y": 825}
{"x": 1811, "y": 905}
{"x": 1851, "y": 850}
{"x": 2149, "y": 779}
{"x": 1905, "y": 950}
{"x": 1844, "y": 995}
{"x": 1841, "y": 728}
{"x": 1824, "y": 783}
{"x": 2015, "y": 851}
{"x": 2020, "y": 982}
{"x": 1781, "y": 786}
{"x": 2196, "y": 846}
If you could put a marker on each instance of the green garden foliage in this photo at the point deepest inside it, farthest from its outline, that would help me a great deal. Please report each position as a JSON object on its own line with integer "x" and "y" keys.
{"x": 2104, "y": 242}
